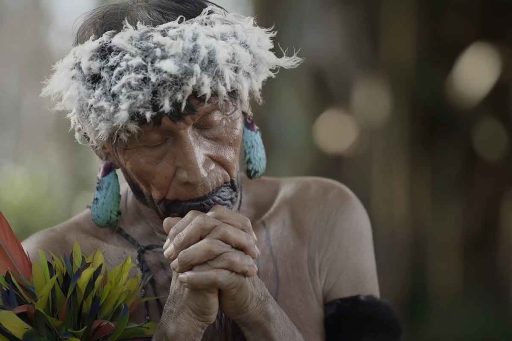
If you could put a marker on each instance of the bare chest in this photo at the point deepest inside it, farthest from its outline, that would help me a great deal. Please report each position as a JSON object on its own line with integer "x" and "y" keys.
{"x": 283, "y": 266}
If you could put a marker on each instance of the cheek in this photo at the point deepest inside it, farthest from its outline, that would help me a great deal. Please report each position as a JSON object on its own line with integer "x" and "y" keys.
{"x": 225, "y": 148}
{"x": 145, "y": 170}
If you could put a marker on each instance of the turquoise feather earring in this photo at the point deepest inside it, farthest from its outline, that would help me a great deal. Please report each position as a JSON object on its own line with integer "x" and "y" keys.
{"x": 254, "y": 150}
{"x": 105, "y": 205}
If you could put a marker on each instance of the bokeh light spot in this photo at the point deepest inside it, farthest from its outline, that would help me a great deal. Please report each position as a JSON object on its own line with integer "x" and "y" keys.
{"x": 474, "y": 74}
{"x": 490, "y": 139}
{"x": 371, "y": 100}
{"x": 335, "y": 131}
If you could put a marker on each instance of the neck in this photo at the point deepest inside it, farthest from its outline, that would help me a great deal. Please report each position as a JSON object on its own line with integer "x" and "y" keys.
{"x": 141, "y": 221}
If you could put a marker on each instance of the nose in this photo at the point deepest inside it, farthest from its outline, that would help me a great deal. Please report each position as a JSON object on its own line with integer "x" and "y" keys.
{"x": 190, "y": 161}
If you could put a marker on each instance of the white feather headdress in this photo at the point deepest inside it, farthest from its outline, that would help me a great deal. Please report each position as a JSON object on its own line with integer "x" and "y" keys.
{"x": 109, "y": 84}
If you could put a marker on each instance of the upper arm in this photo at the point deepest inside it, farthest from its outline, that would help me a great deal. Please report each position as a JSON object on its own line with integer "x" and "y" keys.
{"x": 48, "y": 240}
{"x": 343, "y": 244}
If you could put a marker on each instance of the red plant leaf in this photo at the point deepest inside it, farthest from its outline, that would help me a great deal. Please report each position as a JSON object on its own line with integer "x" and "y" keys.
{"x": 101, "y": 328}
{"x": 25, "y": 308}
{"x": 63, "y": 312}
{"x": 12, "y": 255}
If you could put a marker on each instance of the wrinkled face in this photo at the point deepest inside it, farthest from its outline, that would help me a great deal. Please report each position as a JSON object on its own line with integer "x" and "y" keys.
{"x": 190, "y": 163}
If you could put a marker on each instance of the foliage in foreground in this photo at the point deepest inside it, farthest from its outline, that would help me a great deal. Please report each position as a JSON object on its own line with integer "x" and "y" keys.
{"x": 65, "y": 298}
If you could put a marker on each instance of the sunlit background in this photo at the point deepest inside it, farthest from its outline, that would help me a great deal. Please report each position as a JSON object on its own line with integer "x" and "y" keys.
{"x": 407, "y": 102}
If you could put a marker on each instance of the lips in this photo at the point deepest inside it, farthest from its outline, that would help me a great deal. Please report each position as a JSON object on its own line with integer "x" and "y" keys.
{"x": 225, "y": 195}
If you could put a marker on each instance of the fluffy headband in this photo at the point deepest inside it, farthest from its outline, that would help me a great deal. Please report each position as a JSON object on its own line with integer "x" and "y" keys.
{"x": 112, "y": 83}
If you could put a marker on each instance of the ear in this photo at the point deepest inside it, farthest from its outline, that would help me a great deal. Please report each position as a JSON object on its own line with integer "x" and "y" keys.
{"x": 106, "y": 153}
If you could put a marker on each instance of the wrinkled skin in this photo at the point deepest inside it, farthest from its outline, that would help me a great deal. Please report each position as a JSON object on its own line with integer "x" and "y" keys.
{"x": 295, "y": 243}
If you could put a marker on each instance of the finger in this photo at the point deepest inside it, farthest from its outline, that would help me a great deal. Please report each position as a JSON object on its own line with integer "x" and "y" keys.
{"x": 235, "y": 261}
{"x": 216, "y": 278}
{"x": 207, "y": 227}
{"x": 198, "y": 228}
{"x": 232, "y": 218}
{"x": 199, "y": 253}
{"x": 179, "y": 226}
{"x": 216, "y": 254}
{"x": 236, "y": 238}
{"x": 169, "y": 223}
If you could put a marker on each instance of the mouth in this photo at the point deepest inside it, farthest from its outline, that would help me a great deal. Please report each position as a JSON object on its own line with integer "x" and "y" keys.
{"x": 224, "y": 195}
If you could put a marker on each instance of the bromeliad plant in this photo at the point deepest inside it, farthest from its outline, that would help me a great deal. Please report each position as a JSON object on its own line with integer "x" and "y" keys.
{"x": 65, "y": 298}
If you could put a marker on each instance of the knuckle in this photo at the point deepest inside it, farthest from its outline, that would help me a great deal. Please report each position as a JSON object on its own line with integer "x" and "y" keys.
{"x": 218, "y": 277}
{"x": 221, "y": 246}
{"x": 236, "y": 260}
{"x": 201, "y": 267}
{"x": 229, "y": 260}
{"x": 217, "y": 208}
{"x": 210, "y": 246}
{"x": 182, "y": 257}
{"x": 179, "y": 238}
{"x": 191, "y": 214}
{"x": 218, "y": 232}
{"x": 207, "y": 222}
{"x": 248, "y": 241}
{"x": 239, "y": 257}
{"x": 213, "y": 213}
{"x": 167, "y": 221}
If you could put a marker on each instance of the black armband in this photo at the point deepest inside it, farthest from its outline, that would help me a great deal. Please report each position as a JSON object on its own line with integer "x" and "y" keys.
{"x": 360, "y": 318}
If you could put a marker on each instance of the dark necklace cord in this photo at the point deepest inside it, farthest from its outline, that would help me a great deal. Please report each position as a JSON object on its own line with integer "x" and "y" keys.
{"x": 147, "y": 274}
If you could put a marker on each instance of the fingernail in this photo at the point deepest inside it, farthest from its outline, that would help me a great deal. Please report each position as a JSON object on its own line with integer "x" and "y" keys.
{"x": 169, "y": 252}
{"x": 167, "y": 242}
{"x": 254, "y": 234}
{"x": 174, "y": 264}
{"x": 183, "y": 277}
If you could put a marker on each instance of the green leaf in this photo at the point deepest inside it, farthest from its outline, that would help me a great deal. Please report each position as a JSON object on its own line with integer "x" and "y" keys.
{"x": 83, "y": 281}
{"x": 136, "y": 331}
{"x": 43, "y": 296}
{"x": 77, "y": 256}
{"x": 68, "y": 294}
{"x": 40, "y": 272}
{"x": 3, "y": 283}
{"x": 96, "y": 259}
{"x": 120, "y": 324}
{"x": 13, "y": 324}
{"x": 24, "y": 292}
{"x": 48, "y": 320}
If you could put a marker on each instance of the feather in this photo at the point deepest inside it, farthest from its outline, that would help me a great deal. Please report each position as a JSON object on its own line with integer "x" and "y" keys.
{"x": 13, "y": 257}
{"x": 106, "y": 83}
{"x": 254, "y": 150}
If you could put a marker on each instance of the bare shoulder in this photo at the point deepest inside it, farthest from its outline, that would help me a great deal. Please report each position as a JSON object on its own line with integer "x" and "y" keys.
{"x": 321, "y": 200}
{"x": 60, "y": 238}
{"x": 336, "y": 232}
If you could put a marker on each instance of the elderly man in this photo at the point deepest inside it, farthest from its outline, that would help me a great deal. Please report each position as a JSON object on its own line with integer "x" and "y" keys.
{"x": 160, "y": 90}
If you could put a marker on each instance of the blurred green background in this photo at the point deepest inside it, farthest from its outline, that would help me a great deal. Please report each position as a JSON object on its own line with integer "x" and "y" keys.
{"x": 407, "y": 102}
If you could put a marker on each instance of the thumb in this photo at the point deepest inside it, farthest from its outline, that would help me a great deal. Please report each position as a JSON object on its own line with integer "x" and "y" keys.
{"x": 169, "y": 223}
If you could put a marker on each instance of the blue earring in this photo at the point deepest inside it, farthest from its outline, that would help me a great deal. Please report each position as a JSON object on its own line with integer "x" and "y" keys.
{"x": 105, "y": 205}
{"x": 254, "y": 150}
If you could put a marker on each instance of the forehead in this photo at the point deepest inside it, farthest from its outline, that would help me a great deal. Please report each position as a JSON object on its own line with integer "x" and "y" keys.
{"x": 194, "y": 106}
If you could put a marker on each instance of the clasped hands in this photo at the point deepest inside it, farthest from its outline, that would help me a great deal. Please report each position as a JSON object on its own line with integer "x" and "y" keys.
{"x": 216, "y": 251}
